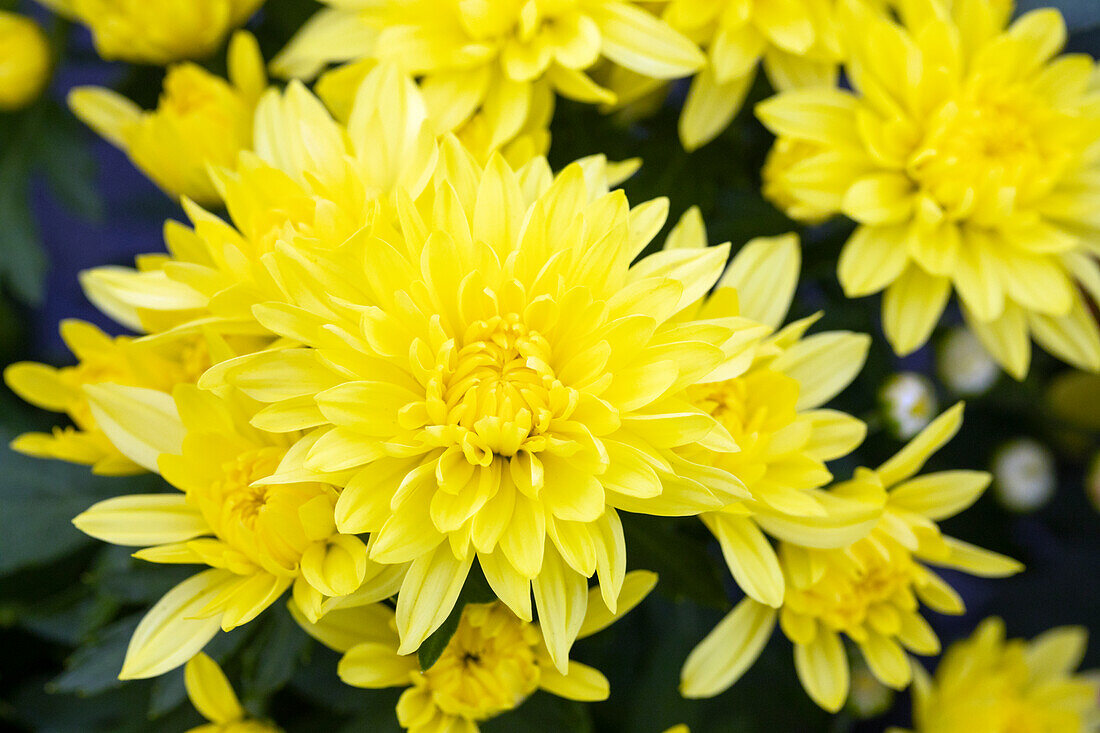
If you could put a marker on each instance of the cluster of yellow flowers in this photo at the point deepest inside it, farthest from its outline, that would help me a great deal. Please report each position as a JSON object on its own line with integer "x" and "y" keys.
{"x": 411, "y": 351}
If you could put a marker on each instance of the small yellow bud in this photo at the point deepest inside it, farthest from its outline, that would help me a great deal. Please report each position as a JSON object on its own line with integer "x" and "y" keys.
{"x": 200, "y": 121}
{"x": 24, "y": 61}
{"x": 160, "y": 31}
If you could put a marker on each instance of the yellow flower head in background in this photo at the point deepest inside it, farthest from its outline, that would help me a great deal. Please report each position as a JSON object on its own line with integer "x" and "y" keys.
{"x": 967, "y": 154}
{"x": 200, "y": 121}
{"x": 101, "y": 359}
{"x": 258, "y": 538}
{"x": 25, "y": 61}
{"x": 869, "y": 590}
{"x": 157, "y": 31}
{"x": 213, "y": 697}
{"x": 797, "y": 40}
{"x": 987, "y": 684}
{"x": 502, "y": 58}
{"x": 315, "y": 194}
{"x": 492, "y": 379}
{"x": 772, "y": 411}
{"x": 491, "y": 665}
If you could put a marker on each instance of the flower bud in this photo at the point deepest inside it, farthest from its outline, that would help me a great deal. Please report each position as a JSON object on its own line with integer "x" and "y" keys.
{"x": 159, "y": 31}
{"x": 1024, "y": 475}
{"x": 964, "y": 364}
{"x": 24, "y": 61}
{"x": 200, "y": 121}
{"x": 908, "y": 403}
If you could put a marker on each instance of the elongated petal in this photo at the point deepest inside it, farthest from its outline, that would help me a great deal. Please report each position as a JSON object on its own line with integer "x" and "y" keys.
{"x": 822, "y": 668}
{"x": 143, "y": 519}
{"x": 727, "y": 651}
{"x": 581, "y": 682}
{"x": 141, "y": 423}
{"x": 375, "y": 665}
{"x": 428, "y": 594}
{"x": 210, "y": 691}
{"x": 909, "y": 460}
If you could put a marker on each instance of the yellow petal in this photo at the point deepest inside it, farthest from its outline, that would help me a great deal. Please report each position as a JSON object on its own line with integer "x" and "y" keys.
{"x": 636, "y": 586}
{"x": 940, "y": 495}
{"x": 823, "y": 364}
{"x": 641, "y": 42}
{"x": 428, "y": 594}
{"x": 909, "y": 460}
{"x": 728, "y": 650}
{"x": 374, "y": 665}
{"x": 912, "y": 308}
{"x": 561, "y": 596}
{"x": 750, "y": 557}
{"x": 141, "y": 423}
{"x": 210, "y": 691}
{"x": 765, "y": 274}
{"x": 143, "y": 519}
{"x": 822, "y": 668}
{"x": 581, "y": 682}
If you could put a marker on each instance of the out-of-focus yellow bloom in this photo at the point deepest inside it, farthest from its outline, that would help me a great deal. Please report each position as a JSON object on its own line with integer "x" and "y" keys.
{"x": 869, "y": 591}
{"x": 25, "y": 60}
{"x": 213, "y": 697}
{"x": 786, "y": 154}
{"x": 494, "y": 661}
{"x": 967, "y": 155}
{"x": 1024, "y": 475}
{"x": 101, "y": 360}
{"x": 504, "y": 59}
{"x": 797, "y": 40}
{"x": 286, "y": 194}
{"x": 498, "y": 381}
{"x": 200, "y": 121}
{"x": 772, "y": 411}
{"x": 257, "y": 537}
{"x": 157, "y": 31}
{"x": 987, "y": 684}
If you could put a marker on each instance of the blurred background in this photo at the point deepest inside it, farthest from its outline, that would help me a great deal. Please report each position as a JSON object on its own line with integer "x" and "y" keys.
{"x": 69, "y": 201}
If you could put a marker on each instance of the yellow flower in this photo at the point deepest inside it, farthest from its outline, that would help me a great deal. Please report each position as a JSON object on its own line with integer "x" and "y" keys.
{"x": 101, "y": 359}
{"x": 772, "y": 410}
{"x": 500, "y": 381}
{"x": 259, "y": 536}
{"x": 966, "y": 155}
{"x": 869, "y": 591}
{"x": 504, "y": 58}
{"x": 157, "y": 31}
{"x": 25, "y": 61}
{"x": 200, "y": 121}
{"x": 212, "y": 695}
{"x": 797, "y": 40}
{"x": 987, "y": 684}
{"x": 493, "y": 663}
{"x": 286, "y": 194}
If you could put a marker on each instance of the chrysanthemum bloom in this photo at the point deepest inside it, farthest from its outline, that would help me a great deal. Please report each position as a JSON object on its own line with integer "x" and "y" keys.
{"x": 967, "y": 155}
{"x": 25, "y": 61}
{"x": 101, "y": 359}
{"x": 491, "y": 665}
{"x": 213, "y": 697}
{"x": 797, "y": 40}
{"x": 500, "y": 381}
{"x": 157, "y": 31}
{"x": 309, "y": 183}
{"x": 773, "y": 411}
{"x": 200, "y": 121}
{"x": 503, "y": 58}
{"x": 986, "y": 684}
{"x": 258, "y": 538}
{"x": 869, "y": 591}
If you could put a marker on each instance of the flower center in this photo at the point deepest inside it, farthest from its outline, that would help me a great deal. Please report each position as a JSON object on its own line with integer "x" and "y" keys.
{"x": 489, "y": 665}
{"x": 501, "y": 394}
{"x": 991, "y": 146}
{"x": 867, "y": 584}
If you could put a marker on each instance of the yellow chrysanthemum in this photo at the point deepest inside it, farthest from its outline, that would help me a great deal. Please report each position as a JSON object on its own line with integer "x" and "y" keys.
{"x": 311, "y": 183}
{"x": 868, "y": 591}
{"x": 967, "y": 154}
{"x": 797, "y": 40}
{"x": 503, "y": 58}
{"x": 987, "y": 684}
{"x": 101, "y": 359}
{"x": 497, "y": 381}
{"x": 25, "y": 61}
{"x": 201, "y": 121}
{"x": 157, "y": 31}
{"x": 493, "y": 663}
{"x": 212, "y": 695}
{"x": 772, "y": 410}
{"x": 258, "y": 537}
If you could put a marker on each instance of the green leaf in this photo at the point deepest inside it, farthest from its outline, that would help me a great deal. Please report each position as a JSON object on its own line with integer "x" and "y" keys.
{"x": 682, "y": 562}
{"x": 94, "y": 667}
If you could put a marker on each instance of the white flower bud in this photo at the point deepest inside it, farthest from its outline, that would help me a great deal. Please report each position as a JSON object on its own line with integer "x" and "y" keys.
{"x": 908, "y": 403}
{"x": 964, "y": 364}
{"x": 1024, "y": 476}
